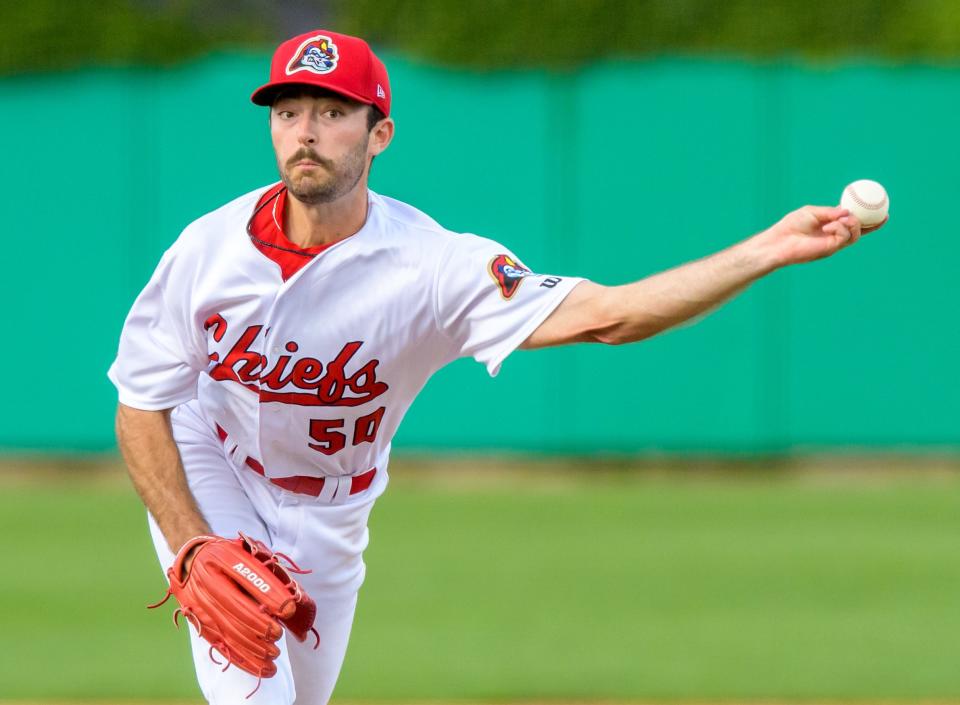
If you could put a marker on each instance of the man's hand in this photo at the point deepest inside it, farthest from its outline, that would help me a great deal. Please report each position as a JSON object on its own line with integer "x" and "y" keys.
{"x": 810, "y": 233}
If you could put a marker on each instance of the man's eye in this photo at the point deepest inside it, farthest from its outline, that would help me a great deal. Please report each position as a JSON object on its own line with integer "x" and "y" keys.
{"x": 334, "y": 113}
{"x": 285, "y": 114}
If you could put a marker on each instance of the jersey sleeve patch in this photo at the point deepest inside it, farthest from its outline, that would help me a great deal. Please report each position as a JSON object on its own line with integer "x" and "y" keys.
{"x": 508, "y": 274}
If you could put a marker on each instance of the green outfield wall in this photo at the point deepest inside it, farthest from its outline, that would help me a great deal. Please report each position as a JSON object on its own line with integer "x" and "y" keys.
{"x": 612, "y": 172}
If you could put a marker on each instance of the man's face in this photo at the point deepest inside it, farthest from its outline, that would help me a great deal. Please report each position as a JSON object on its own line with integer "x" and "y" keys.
{"x": 322, "y": 145}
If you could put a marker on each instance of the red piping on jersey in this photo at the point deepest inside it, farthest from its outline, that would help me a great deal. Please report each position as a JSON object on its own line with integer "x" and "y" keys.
{"x": 265, "y": 229}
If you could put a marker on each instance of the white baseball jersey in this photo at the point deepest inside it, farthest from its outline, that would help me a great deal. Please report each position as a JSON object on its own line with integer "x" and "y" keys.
{"x": 312, "y": 375}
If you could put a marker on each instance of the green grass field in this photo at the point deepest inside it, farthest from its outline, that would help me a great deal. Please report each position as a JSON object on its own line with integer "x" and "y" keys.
{"x": 491, "y": 585}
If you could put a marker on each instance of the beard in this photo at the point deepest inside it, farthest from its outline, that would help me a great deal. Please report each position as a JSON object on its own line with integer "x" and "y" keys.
{"x": 329, "y": 181}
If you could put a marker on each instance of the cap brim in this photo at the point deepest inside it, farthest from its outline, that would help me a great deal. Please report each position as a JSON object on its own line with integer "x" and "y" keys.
{"x": 266, "y": 93}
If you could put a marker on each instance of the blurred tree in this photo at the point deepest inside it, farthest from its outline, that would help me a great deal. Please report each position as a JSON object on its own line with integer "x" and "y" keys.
{"x": 486, "y": 33}
{"x": 40, "y": 35}
{"x": 62, "y": 34}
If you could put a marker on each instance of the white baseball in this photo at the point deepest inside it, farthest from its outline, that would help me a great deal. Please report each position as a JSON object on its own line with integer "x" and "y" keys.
{"x": 867, "y": 201}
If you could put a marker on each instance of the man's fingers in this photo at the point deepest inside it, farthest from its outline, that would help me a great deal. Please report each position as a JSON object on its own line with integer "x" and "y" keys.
{"x": 839, "y": 230}
{"x": 853, "y": 225}
{"x": 827, "y": 214}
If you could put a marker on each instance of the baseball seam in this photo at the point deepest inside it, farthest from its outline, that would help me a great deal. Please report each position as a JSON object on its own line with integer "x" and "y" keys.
{"x": 860, "y": 201}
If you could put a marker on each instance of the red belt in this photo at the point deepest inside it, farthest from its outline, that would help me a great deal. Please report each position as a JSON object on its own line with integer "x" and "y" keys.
{"x": 304, "y": 484}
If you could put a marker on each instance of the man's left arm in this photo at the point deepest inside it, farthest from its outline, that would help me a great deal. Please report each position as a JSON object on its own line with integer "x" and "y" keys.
{"x": 632, "y": 312}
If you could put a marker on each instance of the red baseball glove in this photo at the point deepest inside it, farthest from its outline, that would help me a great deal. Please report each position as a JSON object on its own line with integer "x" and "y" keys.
{"x": 239, "y": 598}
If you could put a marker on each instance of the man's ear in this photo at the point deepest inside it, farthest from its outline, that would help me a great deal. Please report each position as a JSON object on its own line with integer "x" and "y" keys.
{"x": 381, "y": 136}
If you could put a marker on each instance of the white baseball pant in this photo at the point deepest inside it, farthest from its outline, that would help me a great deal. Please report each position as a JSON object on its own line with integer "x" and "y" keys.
{"x": 326, "y": 535}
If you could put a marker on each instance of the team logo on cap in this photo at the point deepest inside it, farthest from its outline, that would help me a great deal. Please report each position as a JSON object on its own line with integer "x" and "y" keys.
{"x": 508, "y": 274}
{"x": 318, "y": 55}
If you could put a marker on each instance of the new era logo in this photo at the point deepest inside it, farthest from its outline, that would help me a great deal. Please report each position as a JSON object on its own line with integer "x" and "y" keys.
{"x": 380, "y": 92}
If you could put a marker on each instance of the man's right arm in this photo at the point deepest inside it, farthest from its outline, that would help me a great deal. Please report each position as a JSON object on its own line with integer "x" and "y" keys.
{"x": 633, "y": 312}
{"x": 153, "y": 461}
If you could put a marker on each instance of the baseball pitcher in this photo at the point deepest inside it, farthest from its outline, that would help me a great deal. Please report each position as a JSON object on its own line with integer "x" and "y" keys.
{"x": 265, "y": 367}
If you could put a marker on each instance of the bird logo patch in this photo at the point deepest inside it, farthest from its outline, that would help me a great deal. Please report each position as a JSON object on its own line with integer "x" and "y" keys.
{"x": 508, "y": 274}
{"x": 318, "y": 55}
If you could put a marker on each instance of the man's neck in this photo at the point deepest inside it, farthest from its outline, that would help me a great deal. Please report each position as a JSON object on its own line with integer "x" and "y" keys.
{"x": 315, "y": 224}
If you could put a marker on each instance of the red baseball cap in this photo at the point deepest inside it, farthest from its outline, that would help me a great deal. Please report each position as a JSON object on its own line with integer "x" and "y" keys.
{"x": 337, "y": 62}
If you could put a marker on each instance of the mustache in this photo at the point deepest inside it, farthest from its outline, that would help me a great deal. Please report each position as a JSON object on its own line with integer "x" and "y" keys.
{"x": 306, "y": 153}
